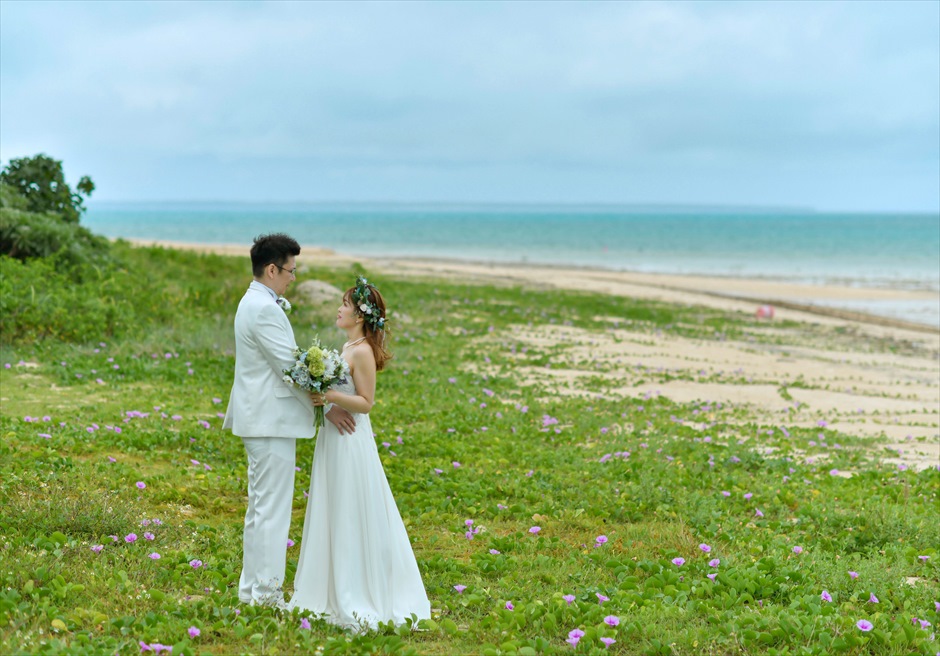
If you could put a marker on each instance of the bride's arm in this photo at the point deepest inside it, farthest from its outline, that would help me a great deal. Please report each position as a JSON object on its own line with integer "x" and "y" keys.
{"x": 362, "y": 364}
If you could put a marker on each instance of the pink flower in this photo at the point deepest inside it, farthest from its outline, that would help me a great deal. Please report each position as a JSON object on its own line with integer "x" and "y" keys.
{"x": 825, "y": 596}
{"x": 456, "y": 464}
{"x": 852, "y": 574}
{"x": 141, "y": 485}
{"x": 568, "y": 599}
{"x": 872, "y": 599}
{"x": 612, "y": 620}
{"x": 304, "y": 623}
{"x": 290, "y": 543}
{"x": 678, "y": 562}
{"x": 601, "y": 539}
{"x": 97, "y": 548}
{"x": 130, "y": 537}
{"x": 574, "y": 636}
{"x": 924, "y": 559}
{"x": 712, "y": 576}
{"x": 864, "y": 625}
{"x": 460, "y": 588}
{"x": 704, "y": 547}
{"x": 148, "y": 536}
{"x": 535, "y": 529}
{"x": 797, "y": 550}
{"x": 758, "y": 513}
{"x": 509, "y": 605}
{"x": 601, "y": 598}
{"x": 608, "y": 641}
{"x": 154, "y": 556}
{"x": 714, "y": 562}
{"x": 193, "y": 632}
{"x": 494, "y": 552}
{"x": 195, "y": 564}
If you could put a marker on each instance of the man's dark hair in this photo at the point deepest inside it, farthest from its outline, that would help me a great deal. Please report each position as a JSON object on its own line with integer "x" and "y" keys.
{"x": 272, "y": 249}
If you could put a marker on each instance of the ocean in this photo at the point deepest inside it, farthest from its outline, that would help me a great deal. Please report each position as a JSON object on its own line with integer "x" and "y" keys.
{"x": 887, "y": 251}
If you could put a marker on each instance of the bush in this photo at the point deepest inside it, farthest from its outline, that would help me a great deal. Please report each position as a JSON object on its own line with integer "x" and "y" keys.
{"x": 25, "y": 235}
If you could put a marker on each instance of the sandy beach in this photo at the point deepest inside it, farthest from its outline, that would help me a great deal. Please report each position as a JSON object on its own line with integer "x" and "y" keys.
{"x": 892, "y": 392}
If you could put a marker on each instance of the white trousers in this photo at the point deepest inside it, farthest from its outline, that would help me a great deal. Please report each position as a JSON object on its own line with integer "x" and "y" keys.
{"x": 267, "y": 522}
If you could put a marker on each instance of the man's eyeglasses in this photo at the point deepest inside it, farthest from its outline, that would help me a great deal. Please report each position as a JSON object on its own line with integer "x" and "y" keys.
{"x": 290, "y": 271}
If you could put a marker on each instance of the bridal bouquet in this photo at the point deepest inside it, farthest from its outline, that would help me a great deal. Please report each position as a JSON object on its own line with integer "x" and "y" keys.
{"x": 316, "y": 369}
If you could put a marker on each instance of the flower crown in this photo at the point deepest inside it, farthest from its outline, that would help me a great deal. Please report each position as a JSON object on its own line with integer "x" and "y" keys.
{"x": 370, "y": 311}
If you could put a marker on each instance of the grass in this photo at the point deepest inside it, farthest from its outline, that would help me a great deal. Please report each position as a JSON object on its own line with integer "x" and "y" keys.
{"x": 473, "y": 440}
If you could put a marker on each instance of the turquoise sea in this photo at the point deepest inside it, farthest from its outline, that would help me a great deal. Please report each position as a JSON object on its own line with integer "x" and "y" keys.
{"x": 895, "y": 251}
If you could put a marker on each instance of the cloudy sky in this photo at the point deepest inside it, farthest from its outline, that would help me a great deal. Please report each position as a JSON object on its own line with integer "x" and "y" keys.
{"x": 832, "y": 106}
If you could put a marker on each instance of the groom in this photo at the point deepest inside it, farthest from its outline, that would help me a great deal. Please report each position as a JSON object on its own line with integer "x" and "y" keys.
{"x": 269, "y": 415}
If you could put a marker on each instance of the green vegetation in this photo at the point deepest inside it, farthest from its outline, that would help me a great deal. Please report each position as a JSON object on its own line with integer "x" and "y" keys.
{"x": 39, "y": 216}
{"x": 118, "y": 377}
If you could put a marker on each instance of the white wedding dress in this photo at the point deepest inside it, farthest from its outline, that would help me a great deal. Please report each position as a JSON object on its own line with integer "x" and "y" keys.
{"x": 356, "y": 564}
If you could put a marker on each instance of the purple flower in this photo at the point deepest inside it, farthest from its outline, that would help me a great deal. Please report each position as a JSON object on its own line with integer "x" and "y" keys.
{"x": 864, "y": 625}
{"x": 460, "y": 588}
{"x": 924, "y": 624}
{"x": 600, "y": 539}
{"x": 758, "y": 513}
{"x": 130, "y": 537}
{"x": 494, "y": 552}
{"x": 574, "y": 636}
{"x": 148, "y": 536}
{"x": 608, "y": 641}
{"x": 678, "y": 562}
{"x": 535, "y": 529}
{"x": 712, "y": 576}
{"x": 509, "y": 605}
{"x": 455, "y": 464}
{"x": 825, "y": 596}
{"x": 290, "y": 543}
{"x": 97, "y": 548}
{"x": 833, "y": 472}
{"x": 612, "y": 620}
{"x": 195, "y": 564}
{"x": 748, "y": 496}
{"x": 154, "y": 556}
{"x": 141, "y": 485}
{"x": 924, "y": 559}
{"x": 568, "y": 599}
{"x": 704, "y": 547}
{"x": 601, "y": 598}
{"x": 714, "y": 562}
{"x": 852, "y": 574}
{"x": 872, "y": 599}
{"x": 797, "y": 550}
{"x": 193, "y": 632}
{"x": 304, "y": 623}
{"x": 725, "y": 493}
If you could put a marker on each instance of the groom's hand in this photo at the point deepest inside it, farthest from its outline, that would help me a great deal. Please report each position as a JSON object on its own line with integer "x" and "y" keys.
{"x": 340, "y": 418}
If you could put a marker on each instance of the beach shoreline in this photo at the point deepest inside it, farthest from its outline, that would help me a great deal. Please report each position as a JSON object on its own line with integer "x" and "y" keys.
{"x": 803, "y": 302}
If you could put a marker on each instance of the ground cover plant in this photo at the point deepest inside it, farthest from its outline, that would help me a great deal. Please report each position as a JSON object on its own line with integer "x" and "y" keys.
{"x": 544, "y": 520}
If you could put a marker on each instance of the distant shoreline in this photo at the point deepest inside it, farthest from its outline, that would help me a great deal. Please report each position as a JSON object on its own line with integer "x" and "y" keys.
{"x": 802, "y": 302}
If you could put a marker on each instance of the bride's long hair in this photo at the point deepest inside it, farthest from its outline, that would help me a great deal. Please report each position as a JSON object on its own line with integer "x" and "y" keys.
{"x": 376, "y": 337}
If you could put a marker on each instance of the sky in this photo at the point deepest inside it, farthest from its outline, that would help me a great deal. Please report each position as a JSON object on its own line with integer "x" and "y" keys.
{"x": 832, "y": 106}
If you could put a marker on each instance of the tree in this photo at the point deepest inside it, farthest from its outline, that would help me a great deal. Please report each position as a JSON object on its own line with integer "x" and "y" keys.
{"x": 41, "y": 181}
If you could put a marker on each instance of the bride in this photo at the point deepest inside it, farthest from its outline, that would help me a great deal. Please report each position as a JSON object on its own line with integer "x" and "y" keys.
{"x": 356, "y": 565}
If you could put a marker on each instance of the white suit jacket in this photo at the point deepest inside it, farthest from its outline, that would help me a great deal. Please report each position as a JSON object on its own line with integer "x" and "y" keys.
{"x": 261, "y": 403}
